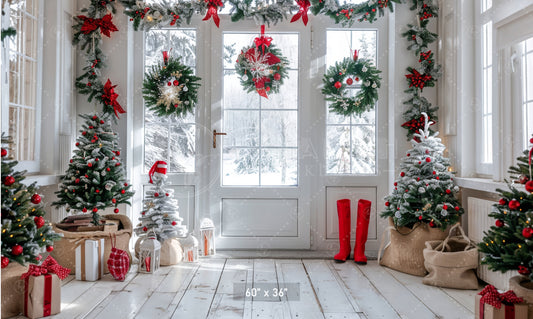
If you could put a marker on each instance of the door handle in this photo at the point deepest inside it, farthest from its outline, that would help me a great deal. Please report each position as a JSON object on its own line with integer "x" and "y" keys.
{"x": 215, "y": 137}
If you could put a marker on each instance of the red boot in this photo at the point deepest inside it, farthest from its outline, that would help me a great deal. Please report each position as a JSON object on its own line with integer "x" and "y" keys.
{"x": 361, "y": 232}
{"x": 343, "y": 211}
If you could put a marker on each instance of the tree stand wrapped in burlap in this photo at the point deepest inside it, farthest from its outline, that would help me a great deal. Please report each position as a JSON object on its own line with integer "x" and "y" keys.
{"x": 404, "y": 252}
{"x": 64, "y": 249}
{"x": 523, "y": 288}
{"x": 12, "y": 289}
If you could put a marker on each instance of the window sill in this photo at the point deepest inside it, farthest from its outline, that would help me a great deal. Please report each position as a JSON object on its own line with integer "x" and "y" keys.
{"x": 41, "y": 180}
{"x": 483, "y": 184}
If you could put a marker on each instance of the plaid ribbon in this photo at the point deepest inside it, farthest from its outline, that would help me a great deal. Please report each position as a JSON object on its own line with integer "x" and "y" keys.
{"x": 489, "y": 295}
{"x": 49, "y": 266}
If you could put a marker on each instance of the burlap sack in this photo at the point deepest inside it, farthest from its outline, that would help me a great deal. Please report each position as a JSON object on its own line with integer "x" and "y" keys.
{"x": 171, "y": 252}
{"x": 12, "y": 289}
{"x": 522, "y": 287}
{"x": 64, "y": 249}
{"x": 404, "y": 251}
{"x": 452, "y": 262}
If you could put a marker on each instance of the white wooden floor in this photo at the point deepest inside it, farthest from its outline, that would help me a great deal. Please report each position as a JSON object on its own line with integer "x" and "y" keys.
{"x": 206, "y": 290}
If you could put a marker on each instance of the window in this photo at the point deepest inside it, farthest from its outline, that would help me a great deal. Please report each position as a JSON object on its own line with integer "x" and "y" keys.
{"x": 527, "y": 91}
{"x": 262, "y": 143}
{"x": 351, "y": 141}
{"x": 485, "y": 5}
{"x": 486, "y": 98}
{"x": 24, "y": 83}
{"x": 172, "y": 139}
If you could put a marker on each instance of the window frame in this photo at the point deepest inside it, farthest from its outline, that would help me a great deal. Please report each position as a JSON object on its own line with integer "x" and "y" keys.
{"x": 32, "y": 166}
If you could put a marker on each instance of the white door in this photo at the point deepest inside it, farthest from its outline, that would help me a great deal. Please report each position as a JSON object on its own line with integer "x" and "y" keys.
{"x": 259, "y": 191}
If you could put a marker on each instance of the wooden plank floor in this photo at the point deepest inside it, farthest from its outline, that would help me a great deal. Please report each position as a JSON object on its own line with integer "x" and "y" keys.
{"x": 216, "y": 288}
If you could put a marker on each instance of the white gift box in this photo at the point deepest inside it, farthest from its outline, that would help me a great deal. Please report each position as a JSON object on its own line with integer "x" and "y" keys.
{"x": 90, "y": 260}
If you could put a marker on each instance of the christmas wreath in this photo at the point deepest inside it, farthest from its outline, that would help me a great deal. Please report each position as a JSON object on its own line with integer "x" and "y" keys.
{"x": 346, "y": 74}
{"x": 170, "y": 88}
{"x": 261, "y": 67}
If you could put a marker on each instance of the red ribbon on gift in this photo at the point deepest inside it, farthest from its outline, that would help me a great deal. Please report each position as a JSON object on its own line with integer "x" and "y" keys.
{"x": 492, "y": 297}
{"x": 110, "y": 98}
{"x": 302, "y": 13}
{"x": 262, "y": 41}
{"x": 49, "y": 266}
{"x": 105, "y": 24}
{"x": 212, "y": 11}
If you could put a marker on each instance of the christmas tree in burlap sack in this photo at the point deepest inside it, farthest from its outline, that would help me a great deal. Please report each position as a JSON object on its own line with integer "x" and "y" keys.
{"x": 25, "y": 232}
{"x": 95, "y": 178}
{"x": 508, "y": 244}
{"x": 161, "y": 210}
{"x": 424, "y": 191}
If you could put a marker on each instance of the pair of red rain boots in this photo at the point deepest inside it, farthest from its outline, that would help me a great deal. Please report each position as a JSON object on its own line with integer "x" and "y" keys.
{"x": 361, "y": 231}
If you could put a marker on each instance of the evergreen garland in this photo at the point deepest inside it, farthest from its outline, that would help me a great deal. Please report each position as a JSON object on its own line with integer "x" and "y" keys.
{"x": 346, "y": 73}
{"x": 261, "y": 13}
{"x": 347, "y": 14}
{"x": 171, "y": 88}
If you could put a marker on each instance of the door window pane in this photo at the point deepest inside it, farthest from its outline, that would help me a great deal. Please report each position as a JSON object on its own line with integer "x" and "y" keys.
{"x": 351, "y": 140}
{"x": 261, "y": 147}
{"x": 527, "y": 91}
{"x": 173, "y": 138}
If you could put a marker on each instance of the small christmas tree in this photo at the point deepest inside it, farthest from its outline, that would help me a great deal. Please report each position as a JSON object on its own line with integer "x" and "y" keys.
{"x": 507, "y": 244}
{"x": 95, "y": 177}
{"x": 160, "y": 213}
{"x": 424, "y": 191}
{"x": 25, "y": 233}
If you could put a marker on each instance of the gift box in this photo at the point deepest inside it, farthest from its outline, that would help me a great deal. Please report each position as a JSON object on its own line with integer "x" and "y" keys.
{"x": 490, "y": 304}
{"x": 42, "y": 289}
{"x": 90, "y": 260}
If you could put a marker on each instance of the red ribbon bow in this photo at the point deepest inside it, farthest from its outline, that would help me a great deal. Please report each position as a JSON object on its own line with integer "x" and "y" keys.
{"x": 49, "y": 266}
{"x": 262, "y": 41}
{"x": 304, "y": 7}
{"x": 260, "y": 86}
{"x": 110, "y": 98}
{"x": 105, "y": 24}
{"x": 418, "y": 80}
{"x": 492, "y": 297}
{"x": 165, "y": 57}
{"x": 212, "y": 11}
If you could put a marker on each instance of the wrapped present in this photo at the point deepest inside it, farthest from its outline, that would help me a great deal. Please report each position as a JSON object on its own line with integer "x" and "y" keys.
{"x": 42, "y": 289}
{"x": 90, "y": 259}
{"x": 490, "y": 304}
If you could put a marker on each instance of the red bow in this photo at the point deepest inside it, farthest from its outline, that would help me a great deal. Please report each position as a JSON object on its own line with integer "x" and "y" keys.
{"x": 105, "y": 24}
{"x": 50, "y": 265}
{"x": 304, "y": 7}
{"x": 415, "y": 124}
{"x": 262, "y": 41}
{"x": 418, "y": 80}
{"x": 212, "y": 9}
{"x": 492, "y": 297}
{"x": 110, "y": 98}
{"x": 271, "y": 59}
{"x": 260, "y": 86}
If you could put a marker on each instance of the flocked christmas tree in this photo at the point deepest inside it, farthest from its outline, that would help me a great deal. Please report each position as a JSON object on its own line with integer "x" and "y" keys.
{"x": 25, "y": 233}
{"x": 508, "y": 244}
{"x": 424, "y": 191}
{"x": 161, "y": 210}
{"x": 95, "y": 178}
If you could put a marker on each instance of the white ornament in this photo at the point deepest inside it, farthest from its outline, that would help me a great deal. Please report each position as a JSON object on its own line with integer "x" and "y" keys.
{"x": 331, "y": 79}
{"x": 444, "y": 212}
{"x": 185, "y": 89}
{"x": 157, "y": 15}
{"x": 398, "y": 214}
{"x": 374, "y": 85}
{"x": 364, "y": 69}
{"x": 421, "y": 190}
{"x": 367, "y": 83}
{"x": 245, "y": 77}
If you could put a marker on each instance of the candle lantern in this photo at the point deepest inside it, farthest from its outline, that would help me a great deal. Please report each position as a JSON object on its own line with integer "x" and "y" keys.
{"x": 149, "y": 255}
{"x": 190, "y": 248}
{"x": 207, "y": 237}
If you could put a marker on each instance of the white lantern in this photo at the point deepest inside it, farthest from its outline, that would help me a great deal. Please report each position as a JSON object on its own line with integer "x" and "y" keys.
{"x": 149, "y": 255}
{"x": 207, "y": 237}
{"x": 190, "y": 248}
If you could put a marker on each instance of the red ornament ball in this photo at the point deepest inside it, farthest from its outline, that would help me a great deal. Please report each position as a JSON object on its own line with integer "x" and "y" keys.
{"x": 427, "y": 151}
{"x": 117, "y": 164}
{"x": 102, "y": 122}
{"x": 122, "y": 191}
{"x": 90, "y": 164}
{"x": 49, "y": 248}
{"x": 108, "y": 169}
{"x": 522, "y": 270}
{"x": 96, "y": 159}
{"x": 387, "y": 204}
{"x": 523, "y": 179}
{"x": 39, "y": 257}
{"x": 502, "y": 201}
{"x": 514, "y": 204}
{"x": 277, "y": 76}
{"x": 93, "y": 141}
{"x": 349, "y": 81}
{"x": 36, "y": 199}
{"x": 126, "y": 184}
{"x": 95, "y": 210}
{"x": 408, "y": 154}
{"x": 431, "y": 224}
{"x": 91, "y": 127}
{"x": 395, "y": 184}
{"x": 9, "y": 180}
{"x": 4, "y": 153}
{"x": 445, "y": 207}
{"x": 420, "y": 217}
{"x": 428, "y": 159}
{"x": 156, "y": 194}
{"x": 434, "y": 173}
{"x": 145, "y": 228}
{"x": 531, "y": 140}
{"x": 39, "y": 221}
{"x": 268, "y": 89}
{"x": 167, "y": 194}
{"x": 357, "y": 79}
{"x": 338, "y": 85}
{"x": 419, "y": 163}
{"x": 437, "y": 178}
{"x": 499, "y": 223}
{"x": 402, "y": 174}
{"x": 448, "y": 191}
{"x": 527, "y": 232}
{"x": 97, "y": 191}
{"x": 71, "y": 161}
{"x": 118, "y": 153}
{"x": 77, "y": 144}
{"x": 176, "y": 83}
{"x": 113, "y": 201}
{"x": 83, "y": 133}
{"x": 94, "y": 117}
{"x": 16, "y": 250}
{"x": 174, "y": 223}
{"x": 116, "y": 210}
{"x": 5, "y": 262}
{"x": 84, "y": 210}
{"x": 457, "y": 208}
{"x": 169, "y": 83}
{"x": 529, "y": 186}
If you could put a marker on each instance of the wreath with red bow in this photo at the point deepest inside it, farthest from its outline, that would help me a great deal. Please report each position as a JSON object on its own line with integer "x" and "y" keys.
{"x": 261, "y": 66}
{"x": 170, "y": 88}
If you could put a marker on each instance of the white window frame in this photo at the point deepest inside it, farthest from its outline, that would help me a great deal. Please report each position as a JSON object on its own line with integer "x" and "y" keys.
{"x": 34, "y": 165}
